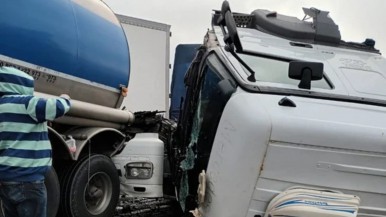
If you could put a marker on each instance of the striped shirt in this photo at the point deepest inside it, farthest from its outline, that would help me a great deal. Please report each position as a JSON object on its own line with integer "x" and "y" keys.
{"x": 25, "y": 149}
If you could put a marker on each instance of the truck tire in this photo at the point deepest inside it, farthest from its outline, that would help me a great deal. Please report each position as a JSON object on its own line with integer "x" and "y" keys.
{"x": 91, "y": 188}
{"x": 53, "y": 192}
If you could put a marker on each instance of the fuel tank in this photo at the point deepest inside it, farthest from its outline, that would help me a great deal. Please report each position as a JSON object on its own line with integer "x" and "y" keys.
{"x": 76, "y": 47}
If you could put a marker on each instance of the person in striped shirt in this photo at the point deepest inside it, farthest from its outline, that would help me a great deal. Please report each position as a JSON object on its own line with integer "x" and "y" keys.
{"x": 25, "y": 149}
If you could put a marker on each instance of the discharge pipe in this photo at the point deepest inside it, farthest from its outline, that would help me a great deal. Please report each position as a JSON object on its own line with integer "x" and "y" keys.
{"x": 88, "y": 114}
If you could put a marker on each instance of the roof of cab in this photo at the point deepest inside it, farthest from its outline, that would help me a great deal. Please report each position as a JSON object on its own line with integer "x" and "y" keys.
{"x": 354, "y": 69}
{"x": 322, "y": 30}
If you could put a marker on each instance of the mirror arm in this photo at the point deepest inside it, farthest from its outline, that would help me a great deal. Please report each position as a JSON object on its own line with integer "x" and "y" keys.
{"x": 251, "y": 77}
{"x": 305, "y": 82}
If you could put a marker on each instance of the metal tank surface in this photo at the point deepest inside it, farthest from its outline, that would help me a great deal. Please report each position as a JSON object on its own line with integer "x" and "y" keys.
{"x": 76, "y": 47}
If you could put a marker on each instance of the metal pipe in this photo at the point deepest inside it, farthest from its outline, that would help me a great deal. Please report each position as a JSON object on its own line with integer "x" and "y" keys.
{"x": 87, "y": 122}
{"x": 91, "y": 111}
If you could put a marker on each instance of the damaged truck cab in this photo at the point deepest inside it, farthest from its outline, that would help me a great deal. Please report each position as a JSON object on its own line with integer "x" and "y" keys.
{"x": 284, "y": 117}
{"x": 280, "y": 116}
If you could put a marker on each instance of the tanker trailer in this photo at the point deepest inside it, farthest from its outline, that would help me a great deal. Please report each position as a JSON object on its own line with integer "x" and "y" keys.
{"x": 75, "y": 47}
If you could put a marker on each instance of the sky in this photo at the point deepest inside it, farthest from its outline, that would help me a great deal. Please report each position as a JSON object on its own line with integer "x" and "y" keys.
{"x": 189, "y": 19}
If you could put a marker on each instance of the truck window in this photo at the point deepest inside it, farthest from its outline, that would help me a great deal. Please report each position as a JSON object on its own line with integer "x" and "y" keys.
{"x": 275, "y": 71}
{"x": 208, "y": 94}
{"x": 215, "y": 91}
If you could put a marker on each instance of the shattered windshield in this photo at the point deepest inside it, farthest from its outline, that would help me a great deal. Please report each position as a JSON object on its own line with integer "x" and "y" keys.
{"x": 275, "y": 71}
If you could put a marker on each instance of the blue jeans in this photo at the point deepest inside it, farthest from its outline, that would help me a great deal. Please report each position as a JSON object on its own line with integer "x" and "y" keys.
{"x": 24, "y": 199}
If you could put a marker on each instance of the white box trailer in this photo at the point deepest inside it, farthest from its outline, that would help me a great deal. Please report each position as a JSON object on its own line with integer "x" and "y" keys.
{"x": 149, "y": 44}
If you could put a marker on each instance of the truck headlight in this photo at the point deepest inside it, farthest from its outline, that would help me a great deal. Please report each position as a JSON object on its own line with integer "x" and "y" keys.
{"x": 139, "y": 170}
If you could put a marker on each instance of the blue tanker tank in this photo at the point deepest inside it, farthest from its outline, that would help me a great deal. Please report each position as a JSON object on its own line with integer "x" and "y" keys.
{"x": 69, "y": 46}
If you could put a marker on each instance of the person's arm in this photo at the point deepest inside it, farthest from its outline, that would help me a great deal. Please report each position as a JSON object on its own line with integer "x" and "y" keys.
{"x": 42, "y": 110}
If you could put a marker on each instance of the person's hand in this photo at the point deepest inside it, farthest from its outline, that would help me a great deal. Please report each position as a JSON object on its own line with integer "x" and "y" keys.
{"x": 65, "y": 96}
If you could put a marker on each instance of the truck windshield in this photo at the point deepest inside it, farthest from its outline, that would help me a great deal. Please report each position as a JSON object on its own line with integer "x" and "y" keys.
{"x": 275, "y": 71}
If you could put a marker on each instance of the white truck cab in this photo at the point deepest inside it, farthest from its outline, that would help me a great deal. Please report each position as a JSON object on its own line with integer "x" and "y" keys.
{"x": 274, "y": 104}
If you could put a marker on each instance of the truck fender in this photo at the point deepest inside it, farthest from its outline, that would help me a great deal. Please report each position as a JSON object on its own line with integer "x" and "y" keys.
{"x": 107, "y": 141}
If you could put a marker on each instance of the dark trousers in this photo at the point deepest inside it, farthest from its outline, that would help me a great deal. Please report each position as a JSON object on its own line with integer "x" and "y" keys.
{"x": 24, "y": 199}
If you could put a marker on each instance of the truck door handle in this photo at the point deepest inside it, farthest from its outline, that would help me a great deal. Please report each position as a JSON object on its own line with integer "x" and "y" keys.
{"x": 287, "y": 102}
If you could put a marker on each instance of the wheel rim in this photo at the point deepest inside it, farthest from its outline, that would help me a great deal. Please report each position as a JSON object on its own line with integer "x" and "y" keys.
{"x": 98, "y": 193}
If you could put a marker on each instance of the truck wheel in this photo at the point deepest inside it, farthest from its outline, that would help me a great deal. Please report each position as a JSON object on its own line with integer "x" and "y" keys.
{"x": 92, "y": 189}
{"x": 53, "y": 192}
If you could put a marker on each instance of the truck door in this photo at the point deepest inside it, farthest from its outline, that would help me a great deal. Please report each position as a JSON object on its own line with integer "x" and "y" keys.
{"x": 209, "y": 87}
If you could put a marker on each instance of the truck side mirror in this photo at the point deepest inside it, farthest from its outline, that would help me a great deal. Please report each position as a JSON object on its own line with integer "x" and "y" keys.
{"x": 305, "y": 72}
